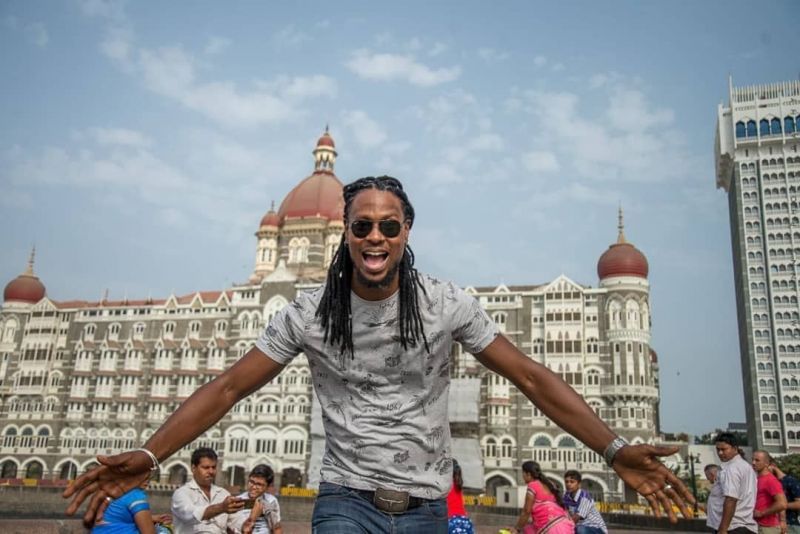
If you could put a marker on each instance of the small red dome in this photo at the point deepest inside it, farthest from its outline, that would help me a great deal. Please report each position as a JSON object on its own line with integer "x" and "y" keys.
{"x": 622, "y": 259}
{"x": 318, "y": 195}
{"x": 270, "y": 219}
{"x": 326, "y": 140}
{"x": 24, "y": 288}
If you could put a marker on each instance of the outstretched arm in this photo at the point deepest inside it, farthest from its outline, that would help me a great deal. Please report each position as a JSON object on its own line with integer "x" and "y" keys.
{"x": 119, "y": 473}
{"x": 637, "y": 465}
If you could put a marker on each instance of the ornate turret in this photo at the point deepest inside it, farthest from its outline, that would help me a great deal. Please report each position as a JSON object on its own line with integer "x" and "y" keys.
{"x": 26, "y": 288}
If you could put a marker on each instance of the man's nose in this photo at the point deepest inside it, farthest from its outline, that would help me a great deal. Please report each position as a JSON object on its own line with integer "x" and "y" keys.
{"x": 375, "y": 233}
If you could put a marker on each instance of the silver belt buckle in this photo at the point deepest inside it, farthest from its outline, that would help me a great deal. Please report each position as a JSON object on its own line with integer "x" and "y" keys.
{"x": 390, "y": 501}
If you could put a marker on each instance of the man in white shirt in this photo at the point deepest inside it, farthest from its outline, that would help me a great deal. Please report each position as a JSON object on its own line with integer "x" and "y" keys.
{"x": 200, "y": 505}
{"x": 715, "y": 498}
{"x": 738, "y": 482}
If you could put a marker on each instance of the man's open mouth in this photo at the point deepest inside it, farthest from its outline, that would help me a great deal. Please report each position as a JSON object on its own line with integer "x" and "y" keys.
{"x": 375, "y": 260}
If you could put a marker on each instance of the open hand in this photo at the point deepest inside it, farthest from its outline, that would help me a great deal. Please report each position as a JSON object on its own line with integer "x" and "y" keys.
{"x": 114, "y": 476}
{"x": 639, "y": 466}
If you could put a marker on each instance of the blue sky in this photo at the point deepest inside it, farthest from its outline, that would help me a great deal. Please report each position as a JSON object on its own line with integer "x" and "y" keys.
{"x": 141, "y": 143}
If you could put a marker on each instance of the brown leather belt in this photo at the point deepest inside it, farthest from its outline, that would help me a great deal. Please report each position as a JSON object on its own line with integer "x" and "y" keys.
{"x": 391, "y": 501}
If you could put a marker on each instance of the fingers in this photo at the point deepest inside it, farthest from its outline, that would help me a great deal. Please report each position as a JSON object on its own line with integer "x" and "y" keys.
{"x": 96, "y": 506}
{"x": 674, "y": 497}
{"x": 663, "y": 451}
{"x": 651, "y": 499}
{"x": 79, "y": 483}
{"x": 679, "y": 486}
{"x": 80, "y": 497}
{"x": 667, "y": 504}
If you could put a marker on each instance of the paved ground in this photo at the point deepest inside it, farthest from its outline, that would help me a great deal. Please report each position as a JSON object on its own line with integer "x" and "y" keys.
{"x": 32, "y": 526}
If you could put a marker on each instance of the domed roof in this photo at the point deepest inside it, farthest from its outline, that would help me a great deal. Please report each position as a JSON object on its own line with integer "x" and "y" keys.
{"x": 26, "y": 287}
{"x": 318, "y": 195}
{"x": 326, "y": 140}
{"x": 270, "y": 218}
{"x": 622, "y": 259}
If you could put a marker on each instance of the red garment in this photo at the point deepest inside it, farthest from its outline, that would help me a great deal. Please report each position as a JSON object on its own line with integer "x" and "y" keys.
{"x": 455, "y": 503}
{"x": 768, "y": 487}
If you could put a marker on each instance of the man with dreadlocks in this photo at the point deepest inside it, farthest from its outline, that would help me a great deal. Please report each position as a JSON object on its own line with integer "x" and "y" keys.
{"x": 377, "y": 337}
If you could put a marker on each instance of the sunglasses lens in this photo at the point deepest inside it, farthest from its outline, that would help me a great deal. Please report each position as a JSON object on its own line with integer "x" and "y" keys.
{"x": 390, "y": 228}
{"x": 361, "y": 229}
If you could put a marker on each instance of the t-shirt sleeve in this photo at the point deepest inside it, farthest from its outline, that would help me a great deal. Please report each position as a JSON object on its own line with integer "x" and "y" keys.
{"x": 138, "y": 502}
{"x": 774, "y": 487}
{"x": 585, "y": 505}
{"x": 471, "y": 326}
{"x": 282, "y": 339}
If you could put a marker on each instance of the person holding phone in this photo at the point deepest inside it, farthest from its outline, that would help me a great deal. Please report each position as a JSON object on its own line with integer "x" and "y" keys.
{"x": 200, "y": 505}
{"x": 261, "y": 513}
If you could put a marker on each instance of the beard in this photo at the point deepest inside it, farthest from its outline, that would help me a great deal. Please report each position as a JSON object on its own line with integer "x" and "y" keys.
{"x": 384, "y": 282}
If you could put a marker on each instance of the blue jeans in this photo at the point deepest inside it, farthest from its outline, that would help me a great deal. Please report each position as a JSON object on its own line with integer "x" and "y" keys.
{"x": 340, "y": 510}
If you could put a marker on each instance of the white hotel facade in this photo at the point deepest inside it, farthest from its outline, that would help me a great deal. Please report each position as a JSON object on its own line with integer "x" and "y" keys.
{"x": 757, "y": 154}
{"x": 81, "y": 378}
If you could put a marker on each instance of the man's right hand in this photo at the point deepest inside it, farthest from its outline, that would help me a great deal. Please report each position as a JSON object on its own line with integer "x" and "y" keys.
{"x": 114, "y": 476}
{"x": 231, "y": 505}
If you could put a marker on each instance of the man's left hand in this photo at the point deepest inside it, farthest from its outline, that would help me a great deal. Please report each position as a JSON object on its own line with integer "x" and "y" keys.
{"x": 640, "y": 468}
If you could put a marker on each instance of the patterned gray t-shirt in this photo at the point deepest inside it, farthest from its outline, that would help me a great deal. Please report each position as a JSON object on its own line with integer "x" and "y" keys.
{"x": 385, "y": 409}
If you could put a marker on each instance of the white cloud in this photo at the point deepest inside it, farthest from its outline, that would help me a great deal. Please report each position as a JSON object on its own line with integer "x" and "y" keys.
{"x": 217, "y": 45}
{"x": 540, "y": 161}
{"x": 170, "y": 71}
{"x": 629, "y": 111}
{"x": 118, "y": 45}
{"x": 632, "y": 141}
{"x": 290, "y": 36}
{"x": 322, "y": 24}
{"x": 414, "y": 45}
{"x": 309, "y": 87}
{"x": 107, "y": 9}
{"x": 121, "y": 137}
{"x": 486, "y": 141}
{"x": 490, "y": 55}
{"x": 367, "y": 132}
{"x": 438, "y": 48}
{"x": 392, "y": 67}
{"x": 37, "y": 34}
{"x": 540, "y": 61}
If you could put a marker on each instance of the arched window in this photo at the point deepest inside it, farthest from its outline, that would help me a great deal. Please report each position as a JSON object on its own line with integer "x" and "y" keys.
{"x": 34, "y": 470}
{"x": 177, "y": 475}
{"x": 775, "y": 126}
{"x": 69, "y": 470}
{"x": 8, "y": 470}
{"x": 751, "y": 128}
{"x": 763, "y": 127}
{"x": 788, "y": 124}
{"x": 298, "y": 249}
{"x": 741, "y": 130}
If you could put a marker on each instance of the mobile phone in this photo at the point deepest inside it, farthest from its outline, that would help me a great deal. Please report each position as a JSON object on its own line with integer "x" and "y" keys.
{"x": 249, "y": 503}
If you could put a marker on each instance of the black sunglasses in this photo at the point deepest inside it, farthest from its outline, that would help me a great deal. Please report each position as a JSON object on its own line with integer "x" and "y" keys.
{"x": 361, "y": 228}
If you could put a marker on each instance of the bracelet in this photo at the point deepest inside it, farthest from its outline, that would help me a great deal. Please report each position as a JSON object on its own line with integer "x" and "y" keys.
{"x": 152, "y": 458}
{"x": 612, "y": 449}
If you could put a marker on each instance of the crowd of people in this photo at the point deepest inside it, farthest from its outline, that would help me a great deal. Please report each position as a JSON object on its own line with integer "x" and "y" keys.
{"x": 755, "y": 497}
{"x": 199, "y": 505}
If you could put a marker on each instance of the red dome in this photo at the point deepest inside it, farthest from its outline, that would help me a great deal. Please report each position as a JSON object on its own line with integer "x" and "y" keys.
{"x": 270, "y": 219}
{"x": 24, "y": 288}
{"x": 326, "y": 140}
{"x": 622, "y": 259}
{"x": 318, "y": 195}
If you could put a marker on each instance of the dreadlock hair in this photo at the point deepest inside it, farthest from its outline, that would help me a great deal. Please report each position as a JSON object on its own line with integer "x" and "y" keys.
{"x": 535, "y": 471}
{"x": 334, "y": 307}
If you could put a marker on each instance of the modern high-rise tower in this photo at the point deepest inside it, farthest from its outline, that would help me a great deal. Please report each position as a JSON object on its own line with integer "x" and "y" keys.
{"x": 757, "y": 155}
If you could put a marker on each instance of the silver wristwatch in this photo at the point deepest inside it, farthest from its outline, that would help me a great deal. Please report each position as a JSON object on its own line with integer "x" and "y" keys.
{"x": 612, "y": 449}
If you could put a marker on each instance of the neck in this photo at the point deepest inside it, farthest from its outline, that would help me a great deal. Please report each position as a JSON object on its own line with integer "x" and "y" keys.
{"x": 374, "y": 291}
